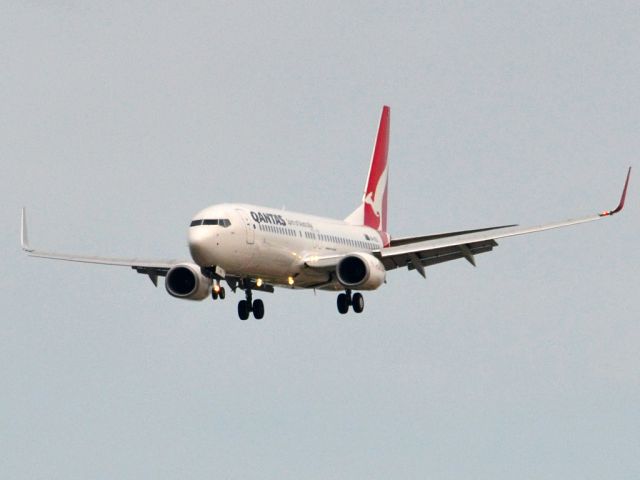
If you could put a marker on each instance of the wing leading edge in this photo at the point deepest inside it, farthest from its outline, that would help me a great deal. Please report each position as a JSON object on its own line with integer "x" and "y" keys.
{"x": 418, "y": 252}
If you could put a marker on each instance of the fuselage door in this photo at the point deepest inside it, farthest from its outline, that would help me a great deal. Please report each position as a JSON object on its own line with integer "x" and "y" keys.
{"x": 249, "y": 224}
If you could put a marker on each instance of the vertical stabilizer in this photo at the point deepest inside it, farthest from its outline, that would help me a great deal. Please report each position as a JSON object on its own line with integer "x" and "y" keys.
{"x": 372, "y": 212}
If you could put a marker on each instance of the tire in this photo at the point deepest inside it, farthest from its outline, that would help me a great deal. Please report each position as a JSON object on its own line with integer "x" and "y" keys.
{"x": 358, "y": 302}
{"x": 214, "y": 295}
{"x": 343, "y": 303}
{"x": 243, "y": 309}
{"x": 222, "y": 293}
{"x": 258, "y": 309}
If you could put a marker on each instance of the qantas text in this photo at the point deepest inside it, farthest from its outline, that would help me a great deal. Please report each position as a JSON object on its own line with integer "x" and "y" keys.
{"x": 260, "y": 217}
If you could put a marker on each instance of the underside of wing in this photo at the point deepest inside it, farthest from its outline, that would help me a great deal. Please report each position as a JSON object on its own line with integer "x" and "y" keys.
{"x": 422, "y": 257}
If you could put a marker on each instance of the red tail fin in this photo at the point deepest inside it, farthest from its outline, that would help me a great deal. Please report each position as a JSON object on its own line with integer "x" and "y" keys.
{"x": 374, "y": 200}
{"x": 372, "y": 211}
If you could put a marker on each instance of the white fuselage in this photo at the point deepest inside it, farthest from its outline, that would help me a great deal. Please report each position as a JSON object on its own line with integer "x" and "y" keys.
{"x": 273, "y": 245}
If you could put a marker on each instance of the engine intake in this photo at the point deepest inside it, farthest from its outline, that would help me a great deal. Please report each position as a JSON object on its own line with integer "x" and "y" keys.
{"x": 187, "y": 281}
{"x": 361, "y": 270}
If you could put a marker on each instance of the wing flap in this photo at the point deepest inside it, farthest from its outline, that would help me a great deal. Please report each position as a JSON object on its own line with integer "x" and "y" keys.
{"x": 435, "y": 256}
{"x": 395, "y": 242}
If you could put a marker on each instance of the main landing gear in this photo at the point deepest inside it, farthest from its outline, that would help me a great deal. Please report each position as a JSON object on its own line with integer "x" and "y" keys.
{"x": 245, "y": 307}
{"x": 345, "y": 300}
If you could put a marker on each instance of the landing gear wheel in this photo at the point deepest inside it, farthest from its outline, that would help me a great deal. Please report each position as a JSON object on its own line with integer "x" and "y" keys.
{"x": 214, "y": 294}
{"x": 243, "y": 309}
{"x": 343, "y": 303}
{"x": 358, "y": 302}
{"x": 258, "y": 309}
{"x": 222, "y": 293}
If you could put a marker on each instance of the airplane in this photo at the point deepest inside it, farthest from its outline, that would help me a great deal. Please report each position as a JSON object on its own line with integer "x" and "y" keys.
{"x": 255, "y": 248}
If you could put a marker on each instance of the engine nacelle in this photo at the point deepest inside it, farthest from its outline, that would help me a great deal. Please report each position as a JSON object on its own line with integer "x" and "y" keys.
{"x": 187, "y": 281}
{"x": 361, "y": 270}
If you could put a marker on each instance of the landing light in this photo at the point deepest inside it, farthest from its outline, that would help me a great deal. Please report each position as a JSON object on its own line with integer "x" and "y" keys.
{"x": 290, "y": 280}
{"x": 259, "y": 282}
{"x": 216, "y": 288}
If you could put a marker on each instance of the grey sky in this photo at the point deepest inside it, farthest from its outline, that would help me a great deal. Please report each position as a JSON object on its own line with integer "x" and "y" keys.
{"x": 119, "y": 122}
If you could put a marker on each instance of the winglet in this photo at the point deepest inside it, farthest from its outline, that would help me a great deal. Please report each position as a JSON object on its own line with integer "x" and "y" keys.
{"x": 24, "y": 239}
{"x": 622, "y": 198}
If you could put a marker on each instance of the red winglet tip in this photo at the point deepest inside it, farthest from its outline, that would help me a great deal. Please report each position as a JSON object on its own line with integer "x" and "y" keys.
{"x": 624, "y": 195}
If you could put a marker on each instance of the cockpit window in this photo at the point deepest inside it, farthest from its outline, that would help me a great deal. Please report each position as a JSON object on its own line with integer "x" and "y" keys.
{"x": 223, "y": 222}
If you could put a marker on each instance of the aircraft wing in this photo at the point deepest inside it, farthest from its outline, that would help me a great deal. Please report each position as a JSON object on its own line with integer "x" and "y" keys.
{"x": 418, "y": 252}
{"x": 153, "y": 268}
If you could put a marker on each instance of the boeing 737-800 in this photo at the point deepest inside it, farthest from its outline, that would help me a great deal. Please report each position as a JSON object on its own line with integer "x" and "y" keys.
{"x": 253, "y": 248}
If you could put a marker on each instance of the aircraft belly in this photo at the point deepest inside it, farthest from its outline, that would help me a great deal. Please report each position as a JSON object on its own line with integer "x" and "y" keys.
{"x": 271, "y": 261}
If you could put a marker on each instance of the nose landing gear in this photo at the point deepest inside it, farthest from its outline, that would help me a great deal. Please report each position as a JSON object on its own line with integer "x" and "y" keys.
{"x": 217, "y": 291}
{"x": 345, "y": 300}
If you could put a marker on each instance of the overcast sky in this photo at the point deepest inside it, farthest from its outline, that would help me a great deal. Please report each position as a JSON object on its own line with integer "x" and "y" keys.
{"x": 118, "y": 123}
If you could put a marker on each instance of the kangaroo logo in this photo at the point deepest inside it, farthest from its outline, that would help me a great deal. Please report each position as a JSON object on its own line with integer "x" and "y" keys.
{"x": 374, "y": 199}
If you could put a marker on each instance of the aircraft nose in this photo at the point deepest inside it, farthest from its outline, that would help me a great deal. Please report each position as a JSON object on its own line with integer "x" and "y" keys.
{"x": 200, "y": 244}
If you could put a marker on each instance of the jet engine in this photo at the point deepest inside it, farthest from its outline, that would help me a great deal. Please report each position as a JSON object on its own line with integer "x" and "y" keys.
{"x": 360, "y": 271}
{"x": 187, "y": 281}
